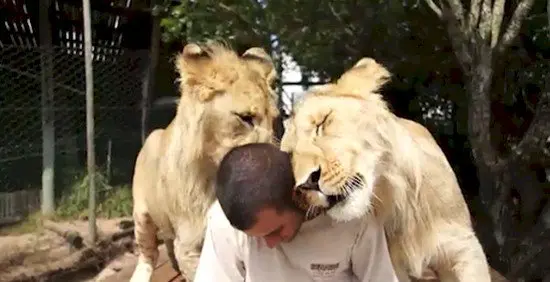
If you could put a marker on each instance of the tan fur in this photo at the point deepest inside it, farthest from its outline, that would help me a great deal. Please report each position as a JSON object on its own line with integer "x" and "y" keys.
{"x": 175, "y": 169}
{"x": 345, "y": 129}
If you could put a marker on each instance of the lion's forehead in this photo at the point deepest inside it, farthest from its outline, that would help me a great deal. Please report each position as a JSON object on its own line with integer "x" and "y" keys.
{"x": 254, "y": 102}
{"x": 313, "y": 110}
{"x": 245, "y": 87}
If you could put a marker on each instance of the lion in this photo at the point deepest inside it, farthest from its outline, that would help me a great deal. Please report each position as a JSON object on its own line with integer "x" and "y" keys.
{"x": 226, "y": 101}
{"x": 352, "y": 157}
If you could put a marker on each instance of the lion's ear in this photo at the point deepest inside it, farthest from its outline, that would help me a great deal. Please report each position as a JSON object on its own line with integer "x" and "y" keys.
{"x": 365, "y": 77}
{"x": 193, "y": 50}
{"x": 289, "y": 137}
{"x": 365, "y": 62}
{"x": 260, "y": 61}
{"x": 191, "y": 61}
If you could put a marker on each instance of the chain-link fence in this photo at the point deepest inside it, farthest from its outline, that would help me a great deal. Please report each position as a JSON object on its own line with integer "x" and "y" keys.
{"x": 118, "y": 83}
{"x": 117, "y": 99}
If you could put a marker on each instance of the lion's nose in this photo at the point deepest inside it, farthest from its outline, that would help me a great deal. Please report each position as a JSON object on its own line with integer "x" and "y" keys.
{"x": 312, "y": 182}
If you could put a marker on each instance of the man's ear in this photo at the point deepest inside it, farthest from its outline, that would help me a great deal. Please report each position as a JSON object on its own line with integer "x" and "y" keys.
{"x": 258, "y": 59}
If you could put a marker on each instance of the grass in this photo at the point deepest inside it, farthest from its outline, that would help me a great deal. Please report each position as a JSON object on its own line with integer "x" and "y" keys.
{"x": 112, "y": 201}
{"x": 32, "y": 223}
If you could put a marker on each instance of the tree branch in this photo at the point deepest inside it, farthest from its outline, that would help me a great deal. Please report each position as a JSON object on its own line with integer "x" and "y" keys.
{"x": 473, "y": 16}
{"x": 436, "y": 8}
{"x": 349, "y": 29}
{"x": 535, "y": 139}
{"x": 498, "y": 15}
{"x": 458, "y": 10}
{"x": 458, "y": 39}
{"x": 485, "y": 20}
{"x": 534, "y": 242}
{"x": 252, "y": 26}
{"x": 513, "y": 29}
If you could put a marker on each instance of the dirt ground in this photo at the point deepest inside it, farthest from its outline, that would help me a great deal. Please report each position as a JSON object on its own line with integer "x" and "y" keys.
{"x": 46, "y": 256}
{"x": 121, "y": 269}
{"x": 28, "y": 256}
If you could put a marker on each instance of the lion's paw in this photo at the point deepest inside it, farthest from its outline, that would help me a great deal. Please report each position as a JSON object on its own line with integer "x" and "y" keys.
{"x": 142, "y": 273}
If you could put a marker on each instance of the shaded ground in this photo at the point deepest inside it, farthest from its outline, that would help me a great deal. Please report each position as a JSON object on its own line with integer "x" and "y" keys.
{"x": 121, "y": 268}
{"x": 46, "y": 255}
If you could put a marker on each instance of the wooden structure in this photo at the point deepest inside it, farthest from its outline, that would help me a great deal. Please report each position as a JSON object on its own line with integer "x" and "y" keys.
{"x": 116, "y": 24}
{"x": 14, "y": 206}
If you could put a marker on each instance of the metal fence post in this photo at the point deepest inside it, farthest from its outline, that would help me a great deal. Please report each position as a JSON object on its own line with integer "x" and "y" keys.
{"x": 90, "y": 117}
{"x": 48, "y": 128}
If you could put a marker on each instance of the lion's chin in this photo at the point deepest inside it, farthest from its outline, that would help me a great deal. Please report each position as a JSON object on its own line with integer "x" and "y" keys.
{"x": 354, "y": 205}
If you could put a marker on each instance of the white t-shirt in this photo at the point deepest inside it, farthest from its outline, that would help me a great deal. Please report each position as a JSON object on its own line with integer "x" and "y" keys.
{"x": 323, "y": 250}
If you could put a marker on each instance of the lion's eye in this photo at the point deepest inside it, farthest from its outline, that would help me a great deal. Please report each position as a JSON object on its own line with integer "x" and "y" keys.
{"x": 320, "y": 125}
{"x": 246, "y": 118}
{"x": 318, "y": 129}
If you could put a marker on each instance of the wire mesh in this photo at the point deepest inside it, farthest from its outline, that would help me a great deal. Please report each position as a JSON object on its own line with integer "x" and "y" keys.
{"x": 117, "y": 95}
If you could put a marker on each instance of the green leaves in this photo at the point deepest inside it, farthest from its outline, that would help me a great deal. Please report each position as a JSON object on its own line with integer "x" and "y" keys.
{"x": 327, "y": 37}
{"x": 233, "y": 21}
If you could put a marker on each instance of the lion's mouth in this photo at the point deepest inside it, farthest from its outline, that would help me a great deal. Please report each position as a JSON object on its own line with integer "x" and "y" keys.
{"x": 352, "y": 184}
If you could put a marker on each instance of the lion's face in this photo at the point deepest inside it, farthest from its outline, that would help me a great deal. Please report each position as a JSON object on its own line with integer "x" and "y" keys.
{"x": 334, "y": 145}
{"x": 234, "y": 93}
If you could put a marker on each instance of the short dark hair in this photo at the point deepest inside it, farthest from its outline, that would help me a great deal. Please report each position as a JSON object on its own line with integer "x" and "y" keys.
{"x": 252, "y": 177}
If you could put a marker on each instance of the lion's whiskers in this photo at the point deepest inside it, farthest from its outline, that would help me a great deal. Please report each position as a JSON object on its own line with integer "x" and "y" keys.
{"x": 311, "y": 210}
{"x": 353, "y": 182}
{"x": 360, "y": 181}
{"x": 357, "y": 180}
{"x": 375, "y": 197}
{"x": 347, "y": 189}
{"x": 276, "y": 141}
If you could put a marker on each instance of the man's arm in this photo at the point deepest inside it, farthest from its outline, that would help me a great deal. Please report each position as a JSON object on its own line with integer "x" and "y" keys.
{"x": 370, "y": 256}
{"x": 221, "y": 258}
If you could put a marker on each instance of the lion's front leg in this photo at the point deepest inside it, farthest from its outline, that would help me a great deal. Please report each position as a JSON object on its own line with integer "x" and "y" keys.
{"x": 145, "y": 231}
{"x": 188, "y": 261}
{"x": 187, "y": 247}
{"x": 464, "y": 261}
{"x": 169, "y": 243}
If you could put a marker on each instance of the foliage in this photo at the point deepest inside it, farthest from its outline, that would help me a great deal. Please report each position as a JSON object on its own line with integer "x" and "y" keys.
{"x": 112, "y": 201}
{"x": 231, "y": 21}
{"x": 311, "y": 30}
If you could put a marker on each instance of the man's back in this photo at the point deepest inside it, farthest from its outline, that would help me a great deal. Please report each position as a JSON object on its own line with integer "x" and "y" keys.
{"x": 323, "y": 250}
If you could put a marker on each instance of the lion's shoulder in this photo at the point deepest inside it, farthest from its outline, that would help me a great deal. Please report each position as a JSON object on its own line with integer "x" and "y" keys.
{"x": 416, "y": 129}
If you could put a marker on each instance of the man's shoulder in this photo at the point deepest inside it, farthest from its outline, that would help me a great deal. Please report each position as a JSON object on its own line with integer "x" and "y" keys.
{"x": 218, "y": 222}
{"x": 222, "y": 230}
{"x": 217, "y": 217}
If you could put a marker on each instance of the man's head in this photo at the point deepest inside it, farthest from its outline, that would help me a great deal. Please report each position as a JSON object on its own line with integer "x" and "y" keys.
{"x": 254, "y": 187}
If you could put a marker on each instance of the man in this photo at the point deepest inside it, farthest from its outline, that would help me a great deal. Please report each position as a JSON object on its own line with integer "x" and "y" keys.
{"x": 255, "y": 232}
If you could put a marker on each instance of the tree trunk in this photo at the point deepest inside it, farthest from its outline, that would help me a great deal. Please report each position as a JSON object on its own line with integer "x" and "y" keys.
{"x": 501, "y": 232}
{"x": 475, "y": 33}
{"x": 494, "y": 181}
{"x": 478, "y": 86}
